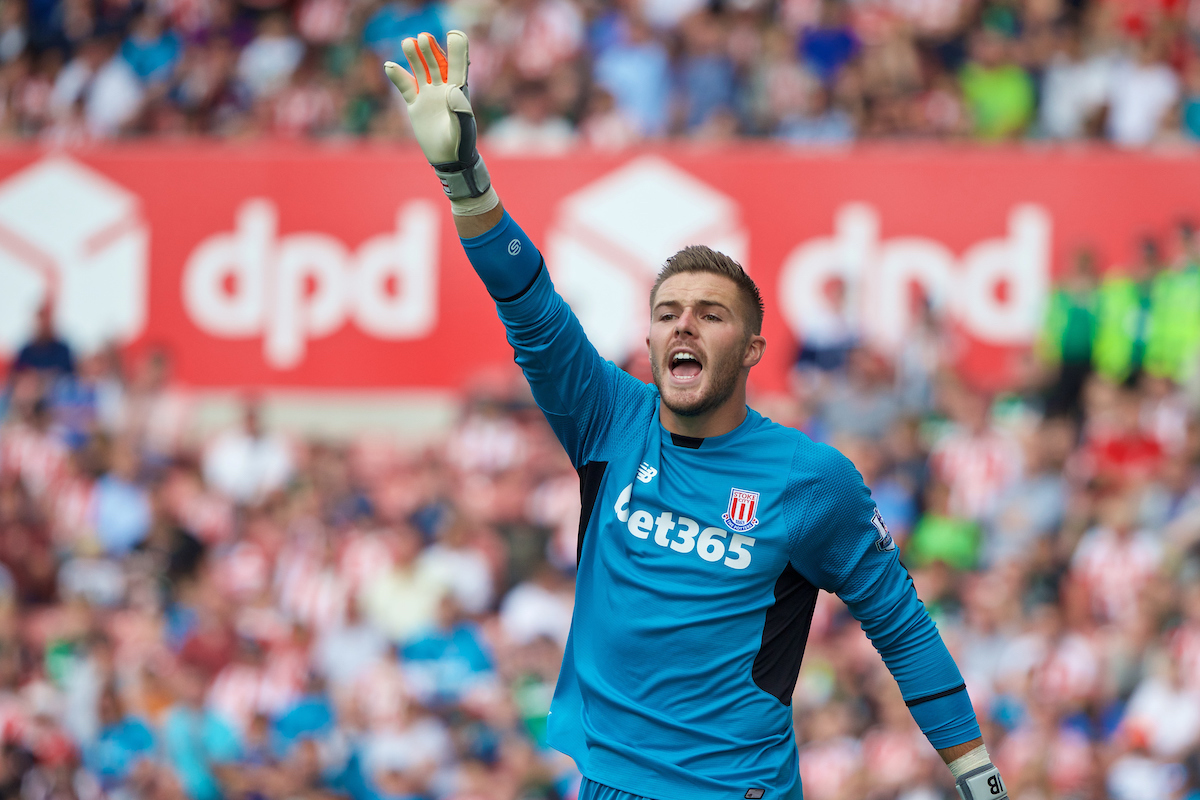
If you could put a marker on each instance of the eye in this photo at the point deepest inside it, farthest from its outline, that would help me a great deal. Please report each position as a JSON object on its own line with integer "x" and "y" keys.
{"x": 712, "y": 318}
{"x": 667, "y": 315}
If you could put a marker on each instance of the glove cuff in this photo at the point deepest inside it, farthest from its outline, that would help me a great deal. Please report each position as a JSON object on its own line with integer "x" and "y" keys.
{"x": 473, "y": 206}
{"x": 463, "y": 183}
{"x": 982, "y": 783}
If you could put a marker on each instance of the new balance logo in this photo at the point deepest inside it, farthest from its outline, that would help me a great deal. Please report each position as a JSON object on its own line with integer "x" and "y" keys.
{"x": 646, "y": 472}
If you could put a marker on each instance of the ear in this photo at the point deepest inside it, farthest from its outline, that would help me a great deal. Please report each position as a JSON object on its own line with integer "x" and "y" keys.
{"x": 755, "y": 348}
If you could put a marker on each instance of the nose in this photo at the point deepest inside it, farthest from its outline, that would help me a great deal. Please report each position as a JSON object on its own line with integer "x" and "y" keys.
{"x": 685, "y": 323}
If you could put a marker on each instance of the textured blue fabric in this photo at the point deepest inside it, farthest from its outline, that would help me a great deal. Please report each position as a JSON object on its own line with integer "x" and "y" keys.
{"x": 657, "y": 695}
{"x": 504, "y": 258}
{"x": 590, "y": 790}
{"x": 948, "y": 720}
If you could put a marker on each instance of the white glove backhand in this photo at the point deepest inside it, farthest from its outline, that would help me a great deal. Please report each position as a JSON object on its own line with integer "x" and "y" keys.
{"x": 442, "y": 121}
{"x": 982, "y": 783}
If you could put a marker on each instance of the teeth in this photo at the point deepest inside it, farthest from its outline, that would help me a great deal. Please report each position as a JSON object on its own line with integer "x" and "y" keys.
{"x": 685, "y": 357}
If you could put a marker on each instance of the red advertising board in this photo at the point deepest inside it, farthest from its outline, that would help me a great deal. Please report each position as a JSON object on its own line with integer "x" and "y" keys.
{"x": 307, "y": 266}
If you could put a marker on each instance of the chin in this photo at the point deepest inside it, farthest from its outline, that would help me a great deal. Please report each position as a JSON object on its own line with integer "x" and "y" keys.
{"x": 688, "y": 403}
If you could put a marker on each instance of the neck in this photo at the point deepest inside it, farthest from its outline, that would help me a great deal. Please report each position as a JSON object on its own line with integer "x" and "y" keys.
{"x": 721, "y": 420}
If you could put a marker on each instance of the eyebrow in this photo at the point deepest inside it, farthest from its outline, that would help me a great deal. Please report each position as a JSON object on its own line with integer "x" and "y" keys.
{"x": 677, "y": 304}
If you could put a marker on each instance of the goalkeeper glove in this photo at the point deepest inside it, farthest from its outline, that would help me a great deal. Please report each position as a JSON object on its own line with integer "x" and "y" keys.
{"x": 442, "y": 121}
{"x": 976, "y": 777}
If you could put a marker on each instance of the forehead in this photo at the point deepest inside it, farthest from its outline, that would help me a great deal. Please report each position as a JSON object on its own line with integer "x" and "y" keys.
{"x": 689, "y": 288}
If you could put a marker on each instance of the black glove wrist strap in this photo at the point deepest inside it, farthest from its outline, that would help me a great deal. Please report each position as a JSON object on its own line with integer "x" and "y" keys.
{"x": 461, "y": 181}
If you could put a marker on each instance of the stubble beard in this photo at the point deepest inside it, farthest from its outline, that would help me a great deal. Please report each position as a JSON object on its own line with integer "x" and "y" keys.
{"x": 722, "y": 383}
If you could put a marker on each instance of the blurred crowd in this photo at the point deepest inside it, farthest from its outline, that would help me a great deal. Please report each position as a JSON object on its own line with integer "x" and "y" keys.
{"x": 551, "y": 75}
{"x": 253, "y": 614}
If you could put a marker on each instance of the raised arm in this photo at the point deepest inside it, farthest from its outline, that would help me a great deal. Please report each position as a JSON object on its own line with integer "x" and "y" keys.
{"x": 576, "y": 389}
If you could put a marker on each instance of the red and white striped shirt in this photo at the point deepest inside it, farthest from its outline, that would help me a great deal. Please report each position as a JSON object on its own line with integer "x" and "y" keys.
{"x": 1115, "y": 569}
{"x": 977, "y": 469}
{"x": 38, "y": 458}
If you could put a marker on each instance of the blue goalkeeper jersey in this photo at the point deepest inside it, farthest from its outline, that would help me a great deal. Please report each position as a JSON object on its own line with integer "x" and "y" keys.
{"x": 699, "y": 566}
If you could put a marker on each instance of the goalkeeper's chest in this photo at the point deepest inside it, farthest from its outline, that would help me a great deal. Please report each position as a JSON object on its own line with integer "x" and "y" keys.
{"x": 696, "y": 519}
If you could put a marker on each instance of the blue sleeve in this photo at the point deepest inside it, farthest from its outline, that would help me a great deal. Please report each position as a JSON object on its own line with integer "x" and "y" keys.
{"x": 582, "y": 395}
{"x": 505, "y": 259}
{"x": 841, "y": 545}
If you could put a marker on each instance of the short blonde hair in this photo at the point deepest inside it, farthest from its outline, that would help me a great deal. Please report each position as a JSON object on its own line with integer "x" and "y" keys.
{"x": 699, "y": 258}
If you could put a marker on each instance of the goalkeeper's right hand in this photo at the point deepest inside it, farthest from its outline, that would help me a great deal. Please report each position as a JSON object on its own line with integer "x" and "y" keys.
{"x": 442, "y": 120}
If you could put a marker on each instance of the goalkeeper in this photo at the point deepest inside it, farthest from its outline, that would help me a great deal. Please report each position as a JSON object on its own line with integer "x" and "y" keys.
{"x": 707, "y": 530}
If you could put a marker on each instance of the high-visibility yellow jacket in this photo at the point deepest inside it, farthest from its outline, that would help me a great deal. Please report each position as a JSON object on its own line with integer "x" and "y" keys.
{"x": 1174, "y": 340}
{"x": 1121, "y": 327}
{"x": 1155, "y": 326}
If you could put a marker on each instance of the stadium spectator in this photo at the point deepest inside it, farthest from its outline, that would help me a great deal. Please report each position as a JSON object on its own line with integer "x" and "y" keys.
{"x": 1069, "y": 333}
{"x": 45, "y": 354}
{"x": 268, "y": 61}
{"x": 161, "y": 627}
{"x": 1123, "y": 321}
{"x": 976, "y": 459}
{"x": 636, "y": 71}
{"x": 999, "y": 92}
{"x": 892, "y": 70}
{"x": 99, "y": 85}
{"x": 604, "y": 126}
{"x": 821, "y": 123}
{"x": 1075, "y": 87}
{"x": 706, "y": 73}
{"x": 827, "y": 47}
{"x": 247, "y": 464}
{"x": 532, "y": 128}
{"x": 152, "y": 50}
{"x": 1143, "y": 90}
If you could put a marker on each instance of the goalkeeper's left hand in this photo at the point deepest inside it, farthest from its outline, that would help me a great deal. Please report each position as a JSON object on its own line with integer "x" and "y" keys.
{"x": 980, "y": 781}
{"x": 442, "y": 120}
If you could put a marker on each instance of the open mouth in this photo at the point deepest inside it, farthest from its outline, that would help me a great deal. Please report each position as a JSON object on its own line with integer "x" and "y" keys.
{"x": 685, "y": 366}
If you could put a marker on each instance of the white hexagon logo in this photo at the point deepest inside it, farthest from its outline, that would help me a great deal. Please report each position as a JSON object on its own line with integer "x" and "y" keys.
{"x": 611, "y": 238}
{"x": 68, "y": 232}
